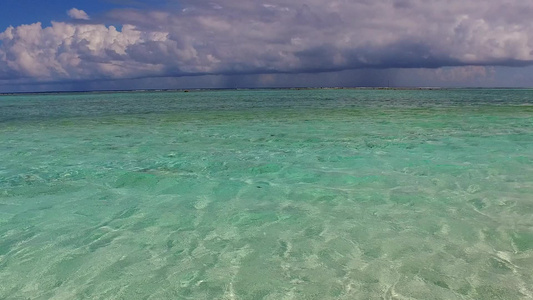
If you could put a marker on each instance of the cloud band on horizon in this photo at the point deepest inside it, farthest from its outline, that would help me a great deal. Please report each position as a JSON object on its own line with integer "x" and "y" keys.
{"x": 248, "y": 37}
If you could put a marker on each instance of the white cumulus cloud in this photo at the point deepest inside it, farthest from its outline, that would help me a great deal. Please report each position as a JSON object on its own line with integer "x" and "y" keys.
{"x": 78, "y": 14}
{"x": 74, "y": 51}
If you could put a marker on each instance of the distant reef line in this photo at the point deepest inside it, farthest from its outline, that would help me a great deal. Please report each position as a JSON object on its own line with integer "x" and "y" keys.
{"x": 260, "y": 88}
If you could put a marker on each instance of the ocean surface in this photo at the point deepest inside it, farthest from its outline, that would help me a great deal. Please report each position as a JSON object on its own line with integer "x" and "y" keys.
{"x": 267, "y": 194}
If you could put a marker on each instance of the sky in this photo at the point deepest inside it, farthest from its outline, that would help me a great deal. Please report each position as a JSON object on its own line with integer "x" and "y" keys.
{"x": 64, "y": 45}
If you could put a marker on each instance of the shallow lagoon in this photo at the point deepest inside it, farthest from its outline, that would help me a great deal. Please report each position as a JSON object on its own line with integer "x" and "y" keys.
{"x": 267, "y": 194}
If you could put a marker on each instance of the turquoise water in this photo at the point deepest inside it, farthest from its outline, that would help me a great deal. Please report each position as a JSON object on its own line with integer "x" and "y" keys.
{"x": 267, "y": 194}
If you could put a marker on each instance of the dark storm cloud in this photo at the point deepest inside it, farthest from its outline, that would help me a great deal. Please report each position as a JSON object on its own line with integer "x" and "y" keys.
{"x": 254, "y": 37}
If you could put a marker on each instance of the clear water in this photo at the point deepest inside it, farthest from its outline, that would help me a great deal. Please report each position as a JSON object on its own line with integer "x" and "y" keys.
{"x": 274, "y": 194}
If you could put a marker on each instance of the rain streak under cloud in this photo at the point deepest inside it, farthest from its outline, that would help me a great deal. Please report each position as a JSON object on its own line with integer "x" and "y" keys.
{"x": 273, "y": 40}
